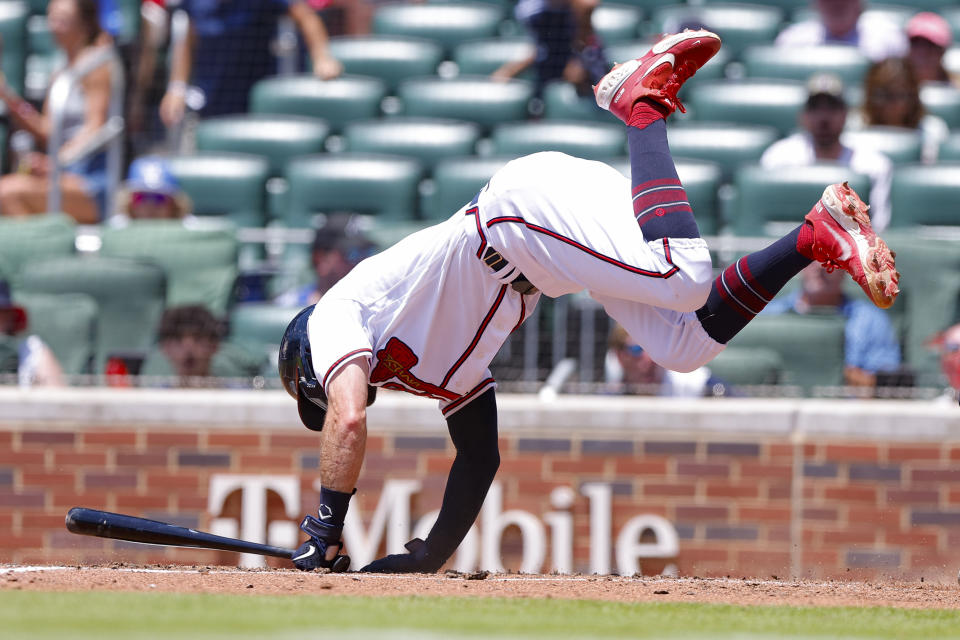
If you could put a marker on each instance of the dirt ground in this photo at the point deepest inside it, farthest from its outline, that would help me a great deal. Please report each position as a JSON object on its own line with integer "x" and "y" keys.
{"x": 120, "y": 577}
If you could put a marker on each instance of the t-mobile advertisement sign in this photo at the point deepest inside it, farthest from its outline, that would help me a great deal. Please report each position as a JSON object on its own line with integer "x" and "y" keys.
{"x": 642, "y": 537}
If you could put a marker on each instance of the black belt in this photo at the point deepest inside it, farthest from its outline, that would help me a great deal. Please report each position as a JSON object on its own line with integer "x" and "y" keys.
{"x": 495, "y": 261}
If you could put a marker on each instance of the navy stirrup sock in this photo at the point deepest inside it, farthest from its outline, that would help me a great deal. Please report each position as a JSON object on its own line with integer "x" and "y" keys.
{"x": 659, "y": 200}
{"x": 744, "y": 288}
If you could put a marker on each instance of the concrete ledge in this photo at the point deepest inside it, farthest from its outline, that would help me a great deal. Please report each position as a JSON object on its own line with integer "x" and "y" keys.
{"x": 595, "y": 416}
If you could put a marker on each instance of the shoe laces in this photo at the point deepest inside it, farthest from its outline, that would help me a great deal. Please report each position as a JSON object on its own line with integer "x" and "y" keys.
{"x": 680, "y": 75}
{"x": 820, "y": 255}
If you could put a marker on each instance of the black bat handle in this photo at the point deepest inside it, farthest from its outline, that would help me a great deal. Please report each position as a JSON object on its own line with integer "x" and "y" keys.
{"x": 92, "y": 522}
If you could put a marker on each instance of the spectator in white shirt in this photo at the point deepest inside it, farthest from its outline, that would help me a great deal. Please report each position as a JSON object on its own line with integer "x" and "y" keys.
{"x": 822, "y": 120}
{"x": 844, "y": 22}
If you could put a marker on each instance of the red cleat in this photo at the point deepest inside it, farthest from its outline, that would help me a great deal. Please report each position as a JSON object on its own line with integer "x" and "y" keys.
{"x": 659, "y": 74}
{"x": 844, "y": 239}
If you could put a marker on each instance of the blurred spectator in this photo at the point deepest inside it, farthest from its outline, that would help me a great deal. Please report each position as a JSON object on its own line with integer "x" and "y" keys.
{"x": 229, "y": 48}
{"x": 337, "y": 248}
{"x": 930, "y": 37}
{"x": 189, "y": 336}
{"x": 566, "y": 46}
{"x": 24, "y": 355}
{"x": 76, "y": 30}
{"x": 822, "y": 119}
{"x": 191, "y": 348}
{"x": 892, "y": 99}
{"x": 152, "y": 192}
{"x": 947, "y": 343}
{"x": 843, "y": 22}
{"x": 870, "y": 343}
{"x": 147, "y": 78}
{"x": 630, "y": 369}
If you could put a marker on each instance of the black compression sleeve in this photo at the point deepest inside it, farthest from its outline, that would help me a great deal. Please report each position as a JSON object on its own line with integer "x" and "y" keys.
{"x": 473, "y": 430}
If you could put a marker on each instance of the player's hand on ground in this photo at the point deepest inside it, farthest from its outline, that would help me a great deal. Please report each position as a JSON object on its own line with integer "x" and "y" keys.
{"x": 322, "y": 550}
{"x": 417, "y": 561}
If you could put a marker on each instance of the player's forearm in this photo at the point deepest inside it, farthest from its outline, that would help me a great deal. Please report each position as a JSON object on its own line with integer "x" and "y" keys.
{"x": 341, "y": 455}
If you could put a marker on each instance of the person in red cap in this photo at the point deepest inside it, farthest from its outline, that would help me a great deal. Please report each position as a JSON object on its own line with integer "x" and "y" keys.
{"x": 930, "y": 37}
{"x": 27, "y": 357}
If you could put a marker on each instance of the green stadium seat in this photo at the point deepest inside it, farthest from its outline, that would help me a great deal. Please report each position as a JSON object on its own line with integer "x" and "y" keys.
{"x": 446, "y": 24}
{"x": 749, "y": 102}
{"x": 130, "y": 296}
{"x": 389, "y": 59}
{"x": 942, "y": 100}
{"x": 429, "y": 140}
{"x": 483, "y": 57}
{"x": 381, "y": 185}
{"x": 67, "y": 323}
{"x": 950, "y": 149}
{"x": 952, "y": 16}
{"x": 811, "y": 345}
{"x": 260, "y": 326}
{"x": 561, "y": 102}
{"x": 786, "y": 5}
{"x": 592, "y": 141}
{"x": 930, "y": 291}
{"x": 201, "y": 265}
{"x": 899, "y": 144}
{"x": 799, "y": 63}
{"x": 39, "y": 38}
{"x": 701, "y": 180}
{"x": 738, "y": 25}
{"x": 35, "y": 237}
{"x": 275, "y": 137}
{"x": 770, "y": 199}
{"x": 456, "y": 181}
{"x": 922, "y": 5}
{"x": 13, "y": 34}
{"x": 730, "y": 146}
{"x": 231, "y": 185}
{"x": 925, "y": 195}
{"x": 615, "y": 22}
{"x": 477, "y": 99}
{"x": 747, "y": 366}
{"x": 646, "y": 6}
{"x": 336, "y": 101}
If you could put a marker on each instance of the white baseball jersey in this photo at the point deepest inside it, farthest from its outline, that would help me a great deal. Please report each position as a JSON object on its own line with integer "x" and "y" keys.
{"x": 429, "y": 315}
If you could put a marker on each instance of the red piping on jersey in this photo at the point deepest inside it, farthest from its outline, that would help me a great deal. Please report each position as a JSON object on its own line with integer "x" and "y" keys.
{"x": 523, "y": 313}
{"x": 475, "y": 212}
{"x": 476, "y": 338}
{"x": 467, "y": 396}
{"x": 573, "y": 243}
{"x": 340, "y": 361}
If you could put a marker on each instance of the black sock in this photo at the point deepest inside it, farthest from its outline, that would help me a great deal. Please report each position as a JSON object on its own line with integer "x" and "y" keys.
{"x": 744, "y": 288}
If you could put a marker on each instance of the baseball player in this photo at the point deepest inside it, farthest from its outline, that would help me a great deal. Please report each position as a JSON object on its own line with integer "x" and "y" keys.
{"x": 427, "y": 315}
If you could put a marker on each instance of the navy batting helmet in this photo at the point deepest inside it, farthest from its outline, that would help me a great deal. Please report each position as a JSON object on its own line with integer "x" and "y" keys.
{"x": 295, "y": 366}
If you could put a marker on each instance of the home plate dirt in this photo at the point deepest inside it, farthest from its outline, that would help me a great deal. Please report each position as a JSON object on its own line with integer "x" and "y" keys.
{"x": 183, "y": 579}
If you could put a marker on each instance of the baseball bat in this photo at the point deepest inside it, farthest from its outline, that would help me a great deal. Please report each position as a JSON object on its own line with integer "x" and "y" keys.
{"x": 91, "y": 522}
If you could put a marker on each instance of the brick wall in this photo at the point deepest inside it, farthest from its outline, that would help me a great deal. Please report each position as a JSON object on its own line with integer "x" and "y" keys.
{"x": 863, "y": 507}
